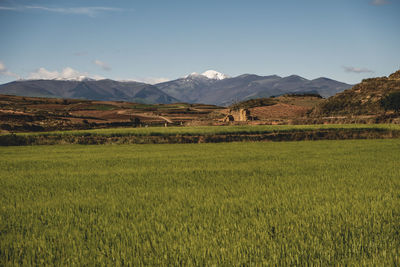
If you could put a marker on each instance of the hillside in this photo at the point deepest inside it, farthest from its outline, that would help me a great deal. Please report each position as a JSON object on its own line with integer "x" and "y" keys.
{"x": 279, "y": 110}
{"x": 307, "y": 100}
{"x": 106, "y": 90}
{"x": 362, "y": 99}
{"x": 189, "y": 89}
{"x": 22, "y": 114}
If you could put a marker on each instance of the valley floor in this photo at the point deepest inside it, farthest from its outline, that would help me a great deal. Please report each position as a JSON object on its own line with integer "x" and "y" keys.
{"x": 287, "y": 203}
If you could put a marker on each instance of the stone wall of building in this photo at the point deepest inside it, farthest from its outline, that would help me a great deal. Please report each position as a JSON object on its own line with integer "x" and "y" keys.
{"x": 238, "y": 115}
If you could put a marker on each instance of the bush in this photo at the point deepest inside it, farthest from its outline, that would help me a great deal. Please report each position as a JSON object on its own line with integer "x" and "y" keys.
{"x": 252, "y": 103}
{"x": 391, "y": 102}
{"x": 13, "y": 140}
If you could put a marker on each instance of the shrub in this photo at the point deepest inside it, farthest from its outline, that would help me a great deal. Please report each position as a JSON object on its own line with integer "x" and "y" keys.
{"x": 391, "y": 102}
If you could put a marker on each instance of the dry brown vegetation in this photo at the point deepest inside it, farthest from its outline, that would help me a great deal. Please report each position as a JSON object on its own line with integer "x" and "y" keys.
{"x": 362, "y": 100}
{"x": 24, "y": 114}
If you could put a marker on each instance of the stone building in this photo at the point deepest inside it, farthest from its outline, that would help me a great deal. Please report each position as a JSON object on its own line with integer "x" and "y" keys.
{"x": 238, "y": 115}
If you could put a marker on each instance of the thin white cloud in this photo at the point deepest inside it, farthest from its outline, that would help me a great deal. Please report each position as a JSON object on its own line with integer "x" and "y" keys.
{"x": 154, "y": 80}
{"x": 8, "y": 8}
{"x": 149, "y": 80}
{"x": 2, "y": 67}
{"x": 102, "y": 65}
{"x": 5, "y": 72}
{"x": 67, "y": 73}
{"x": 379, "y": 2}
{"x": 87, "y": 11}
{"x": 357, "y": 70}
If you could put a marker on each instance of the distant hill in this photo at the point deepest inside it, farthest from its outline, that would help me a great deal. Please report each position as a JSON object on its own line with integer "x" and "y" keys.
{"x": 198, "y": 88}
{"x": 107, "y": 90}
{"x": 363, "y": 99}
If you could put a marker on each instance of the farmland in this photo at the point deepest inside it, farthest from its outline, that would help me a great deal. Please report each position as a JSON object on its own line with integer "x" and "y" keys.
{"x": 321, "y": 202}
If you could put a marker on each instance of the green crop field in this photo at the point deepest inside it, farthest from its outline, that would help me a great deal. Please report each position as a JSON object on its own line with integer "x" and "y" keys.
{"x": 287, "y": 203}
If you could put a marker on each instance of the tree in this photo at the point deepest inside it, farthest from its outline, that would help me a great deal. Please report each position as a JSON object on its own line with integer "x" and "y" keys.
{"x": 135, "y": 121}
{"x": 391, "y": 102}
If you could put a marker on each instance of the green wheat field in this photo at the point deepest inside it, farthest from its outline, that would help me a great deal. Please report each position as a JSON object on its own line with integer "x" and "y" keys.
{"x": 230, "y": 204}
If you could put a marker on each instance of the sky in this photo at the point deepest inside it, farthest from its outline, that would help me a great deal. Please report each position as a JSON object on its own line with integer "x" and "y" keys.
{"x": 154, "y": 41}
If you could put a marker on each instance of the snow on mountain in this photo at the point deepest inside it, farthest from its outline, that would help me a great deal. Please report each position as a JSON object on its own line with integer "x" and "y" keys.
{"x": 193, "y": 75}
{"x": 66, "y": 74}
{"x": 209, "y": 74}
{"x": 212, "y": 74}
{"x": 73, "y": 79}
{"x": 78, "y": 79}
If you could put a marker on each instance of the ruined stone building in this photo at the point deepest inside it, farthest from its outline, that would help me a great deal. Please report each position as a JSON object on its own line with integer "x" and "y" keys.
{"x": 239, "y": 115}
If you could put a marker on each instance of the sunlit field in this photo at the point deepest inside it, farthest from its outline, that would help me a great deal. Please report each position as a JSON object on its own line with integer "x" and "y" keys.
{"x": 321, "y": 202}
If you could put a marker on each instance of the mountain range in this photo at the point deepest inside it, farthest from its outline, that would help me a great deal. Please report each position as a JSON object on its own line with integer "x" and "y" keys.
{"x": 210, "y": 87}
{"x": 107, "y": 90}
{"x": 223, "y": 90}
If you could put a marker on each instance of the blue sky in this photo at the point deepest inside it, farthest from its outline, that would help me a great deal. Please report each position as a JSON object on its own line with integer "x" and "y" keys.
{"x": 150, "y": 40}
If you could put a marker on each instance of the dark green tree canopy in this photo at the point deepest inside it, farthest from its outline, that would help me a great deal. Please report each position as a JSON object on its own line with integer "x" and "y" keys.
{"x": 391, "y": 102}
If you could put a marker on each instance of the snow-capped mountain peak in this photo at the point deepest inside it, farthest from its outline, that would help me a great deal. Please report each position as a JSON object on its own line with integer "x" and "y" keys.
{"x": 209, "y": 74}
{"x": 193, "y": 74}
{"x": 212, "y": 74}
